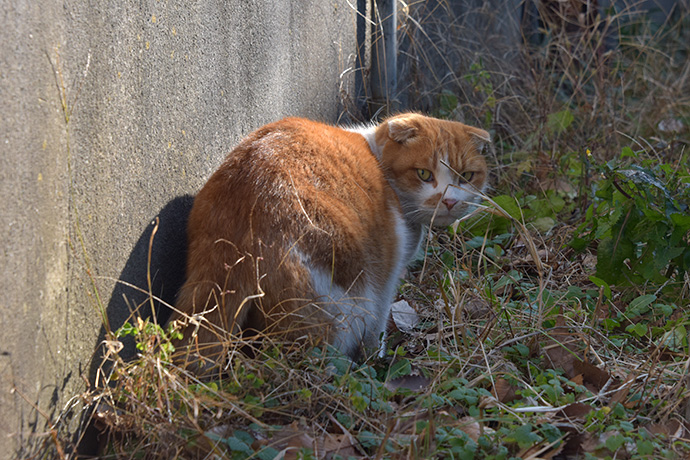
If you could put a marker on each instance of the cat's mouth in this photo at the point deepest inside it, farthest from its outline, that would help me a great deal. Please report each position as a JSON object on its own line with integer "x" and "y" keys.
{"x": 442, "y": 216}
{"x": 444, "y": 219}
{"x": 436, "y": 217}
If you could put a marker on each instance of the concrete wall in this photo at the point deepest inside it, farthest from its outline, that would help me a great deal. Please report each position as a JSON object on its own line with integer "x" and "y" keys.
{"x": 112, "y": 112}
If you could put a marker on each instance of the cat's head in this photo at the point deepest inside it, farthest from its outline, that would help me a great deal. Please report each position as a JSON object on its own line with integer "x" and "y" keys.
{"x": 435, "y": 166}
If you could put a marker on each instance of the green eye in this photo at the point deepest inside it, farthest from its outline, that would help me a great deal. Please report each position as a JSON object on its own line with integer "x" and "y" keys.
{"x": 467, "y": 175}
{"x": 425, "y": 175}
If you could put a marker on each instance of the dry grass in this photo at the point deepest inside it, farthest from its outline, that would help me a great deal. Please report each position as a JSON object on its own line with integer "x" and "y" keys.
{"x": 517, "y": 352}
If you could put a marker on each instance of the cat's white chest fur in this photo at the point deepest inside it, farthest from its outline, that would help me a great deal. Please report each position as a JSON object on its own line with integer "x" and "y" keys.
{"x": 360, "y": 316}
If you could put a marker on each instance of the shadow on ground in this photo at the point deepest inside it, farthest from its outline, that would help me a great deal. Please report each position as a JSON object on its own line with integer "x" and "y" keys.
{"x": 165, "y": 238}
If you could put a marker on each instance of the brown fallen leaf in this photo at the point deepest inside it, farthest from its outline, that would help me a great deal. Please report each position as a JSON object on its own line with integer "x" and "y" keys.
{"x": 294, "y": 437}
{"x": 561, "y": 355}
{"x": 576, "y": 411}
{"x": 562, "y": 348}
{"x": 621, "y": 394}
{"x": 671, "y": 429}
{"x": 471, "y": 427}
{"x": 474, "y": 308}
{"x": 591, "y": 374}
{"x": 542, "y": 451}
{"x": 339, "y": 445}
{"x": 504, "y": 391}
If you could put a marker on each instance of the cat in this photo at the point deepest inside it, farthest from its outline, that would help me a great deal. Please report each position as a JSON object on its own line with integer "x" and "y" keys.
{"x": 306, "y": 228}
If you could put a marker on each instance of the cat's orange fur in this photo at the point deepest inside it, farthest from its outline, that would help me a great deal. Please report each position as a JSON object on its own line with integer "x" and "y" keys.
{"x": 305, "y": 229}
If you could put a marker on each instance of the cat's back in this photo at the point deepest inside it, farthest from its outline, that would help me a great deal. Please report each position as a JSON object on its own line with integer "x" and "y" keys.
{"x": 300, "y": 173}
{"x": 300, "y": 185}
{"x": 302, "y": 151}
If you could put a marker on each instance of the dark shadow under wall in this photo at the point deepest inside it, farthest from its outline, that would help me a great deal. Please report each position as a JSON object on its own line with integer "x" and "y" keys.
{"x": 131, "y": 297}
{"x": 165, "y": 238}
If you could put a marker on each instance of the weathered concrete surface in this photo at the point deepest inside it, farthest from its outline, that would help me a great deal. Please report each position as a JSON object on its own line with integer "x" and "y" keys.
{"x": 111, "y": 113}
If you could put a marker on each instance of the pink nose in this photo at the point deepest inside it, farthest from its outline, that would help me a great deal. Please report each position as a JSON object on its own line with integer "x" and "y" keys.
{"x": 449, "y": 202}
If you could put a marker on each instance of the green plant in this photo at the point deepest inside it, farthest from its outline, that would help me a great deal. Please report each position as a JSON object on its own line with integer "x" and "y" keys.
{"x": 640, "y": 222}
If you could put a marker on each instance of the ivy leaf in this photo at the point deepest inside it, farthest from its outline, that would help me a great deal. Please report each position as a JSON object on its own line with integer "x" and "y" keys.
{"x": 400, "y": 369}
{"x": 524, "y": 436}
{"x": 614, "y": 442}
{"x": 638, "y": 329}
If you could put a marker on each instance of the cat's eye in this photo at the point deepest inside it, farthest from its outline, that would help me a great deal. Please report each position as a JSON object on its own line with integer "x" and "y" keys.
{"x": 425, "y": 175}
{"x": 467, "y": 175}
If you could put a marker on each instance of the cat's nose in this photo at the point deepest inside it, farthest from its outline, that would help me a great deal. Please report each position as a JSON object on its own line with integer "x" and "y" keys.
{"x": 449, "y": 202}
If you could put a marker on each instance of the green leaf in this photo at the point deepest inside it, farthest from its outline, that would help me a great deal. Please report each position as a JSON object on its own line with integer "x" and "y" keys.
{"x": 510, "y": 205}
{"x": 628, "y": 152}
{"x": 638, "y": 304}
{"x": 558, "y": 122}
{"x": 400, "y": 369}
{"x": 544, "y": 224}
{"x": 665, "y": 309}
{"x": 268, "y": 453}
{"x": 681, "y": 220}
{"x": 369, "y": 439}
{"x": 676, "y": 339}
{"x": 644, "y": 447}
{"x": 614, "y": 442}
{"x": 611, "y": 255}
{"x": 601, "y": 283}
{"x": 448, "y": 101}
{"x": 638, "y": 329}
{"x": 524, "y": 436}
{"x": 464, "y": 394}
{"x": 235, "y": 444}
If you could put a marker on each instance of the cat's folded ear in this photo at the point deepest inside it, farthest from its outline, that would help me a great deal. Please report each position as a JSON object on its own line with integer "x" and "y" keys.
{"x": 402, "y": 129}
{"x": 481, "y": 137}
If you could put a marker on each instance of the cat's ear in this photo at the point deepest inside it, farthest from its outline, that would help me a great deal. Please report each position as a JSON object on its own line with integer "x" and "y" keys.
{"x": 402, "y": 129}
{"x": 480, "y": 137}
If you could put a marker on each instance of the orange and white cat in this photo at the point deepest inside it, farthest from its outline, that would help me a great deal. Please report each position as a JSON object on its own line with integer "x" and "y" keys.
{"x": 306, "y": 228}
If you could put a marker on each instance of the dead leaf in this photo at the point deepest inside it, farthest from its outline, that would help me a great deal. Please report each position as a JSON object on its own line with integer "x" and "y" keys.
{"x": 561, "y": 355}
{"x": 671, "y": 429}
{"x": 290, "y": 439}
{"x": 504, "y": 391}
{"x": 594, "y": 444}
{"x": 592, "y": 374}
{"x": 670, "y": 125}
{"x": 404, "y": 316}
{"x": 622, "y": 393}
{"x": 471, "y": 427}
{"x": 476, "y": 308}
{"x": 339, "y": 445}
{"x": 542, "y": 451}
{"x": 576, "y": 411}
